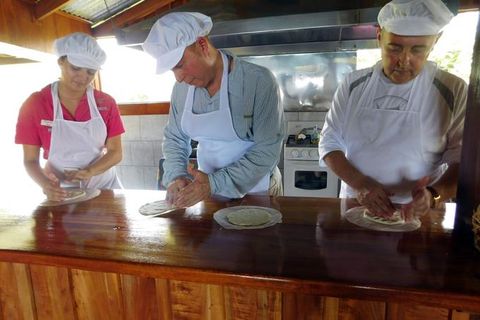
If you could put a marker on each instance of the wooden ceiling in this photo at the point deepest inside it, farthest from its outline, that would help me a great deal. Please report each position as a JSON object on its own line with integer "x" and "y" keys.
{"x": 112, "y": 13}
{"x": 9, "y": 59}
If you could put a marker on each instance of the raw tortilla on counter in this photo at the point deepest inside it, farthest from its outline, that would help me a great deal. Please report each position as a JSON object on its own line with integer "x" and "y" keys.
{"x": 249, "y": 217}
{"x": 396, "y": 218}
{"x": 74, "y": 194}
{"x": 156, "y": 208}
{"x": 362, "y": 218}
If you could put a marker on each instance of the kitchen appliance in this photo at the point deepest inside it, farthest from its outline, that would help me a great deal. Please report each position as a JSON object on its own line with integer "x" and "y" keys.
{"x": 302, "y": 174}
{"x": 313, "y": 29}
{"x": 307, "y": 83}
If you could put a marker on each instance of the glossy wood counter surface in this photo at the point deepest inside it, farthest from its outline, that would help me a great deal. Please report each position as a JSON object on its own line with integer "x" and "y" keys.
{"x": 314, "y": 250}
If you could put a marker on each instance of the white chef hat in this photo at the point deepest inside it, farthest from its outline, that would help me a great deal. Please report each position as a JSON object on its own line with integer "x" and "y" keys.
{"x": 172, "y": 33}
{"x": 414, "y": 17}
{"x": 81, "y": 50}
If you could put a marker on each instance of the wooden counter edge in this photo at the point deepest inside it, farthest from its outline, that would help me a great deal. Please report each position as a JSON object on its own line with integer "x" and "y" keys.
{"x": 450, "y": 300}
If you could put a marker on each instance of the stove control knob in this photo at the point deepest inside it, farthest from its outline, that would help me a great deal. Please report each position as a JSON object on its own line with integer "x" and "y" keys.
{"x": 313, "y": 153}
{"x": 304, "y": 154}
{"x": 295, "y": 153}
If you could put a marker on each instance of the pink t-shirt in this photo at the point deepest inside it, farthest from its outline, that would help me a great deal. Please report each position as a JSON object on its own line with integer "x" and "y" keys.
{"x": 36, "y": 114}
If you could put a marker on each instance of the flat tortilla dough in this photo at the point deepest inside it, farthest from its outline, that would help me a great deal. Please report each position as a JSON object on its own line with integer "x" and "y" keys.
{"x": 155, "y": 208}
{"x": 249, "y": 217}
{"x": 74, "y": 194}
{"x": 396, "y": 218}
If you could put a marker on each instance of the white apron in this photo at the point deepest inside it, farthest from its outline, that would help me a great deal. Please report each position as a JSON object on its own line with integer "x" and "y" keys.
{"x": 387, "y": 144}
{"x": 218, "y": 144}
{"x": 78, "y": 144}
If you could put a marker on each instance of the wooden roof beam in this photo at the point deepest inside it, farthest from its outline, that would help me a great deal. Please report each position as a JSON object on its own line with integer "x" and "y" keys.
{"x": 45, "y": 8}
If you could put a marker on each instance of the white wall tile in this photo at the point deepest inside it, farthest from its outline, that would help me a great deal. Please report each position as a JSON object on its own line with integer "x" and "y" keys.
{"x": 312, "y": 116}
{"x": 119, "y": 170}
{"x": 127, "y": 153}
{"x": 139, "y": 153}
{"x": 150, "y": 178}
{"x": 291, "y": 116}
{"x": 132, "y": 177}
{"x": 157, "y": 151}
{"x": 132, "y": 128}
{"x": 296, "y": 127}
{"x": 142, "y": 150}
{"x": 152, "y": 127}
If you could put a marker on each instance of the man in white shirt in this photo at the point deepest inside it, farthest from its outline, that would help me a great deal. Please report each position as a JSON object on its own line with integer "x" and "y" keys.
{"x": 394, "y": 132}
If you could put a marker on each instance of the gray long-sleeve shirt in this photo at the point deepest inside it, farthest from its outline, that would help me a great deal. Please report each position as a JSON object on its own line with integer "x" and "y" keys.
{"x": 257, "y": 116}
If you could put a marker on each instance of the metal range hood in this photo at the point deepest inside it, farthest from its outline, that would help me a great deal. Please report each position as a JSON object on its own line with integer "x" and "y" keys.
{"x": 308, "y": 32}
{"x": 276, "y": 34}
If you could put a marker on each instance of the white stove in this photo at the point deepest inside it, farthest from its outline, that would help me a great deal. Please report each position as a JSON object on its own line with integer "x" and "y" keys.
{"x": 302, "y": 174}
{"x": 300, "y": 149}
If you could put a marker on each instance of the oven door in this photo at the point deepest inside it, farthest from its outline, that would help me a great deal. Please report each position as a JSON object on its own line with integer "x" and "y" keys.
{"x": 308, "y": 179}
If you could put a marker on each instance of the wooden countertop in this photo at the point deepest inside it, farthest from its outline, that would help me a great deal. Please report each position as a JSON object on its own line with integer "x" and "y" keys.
{"x": 314, "y": 250}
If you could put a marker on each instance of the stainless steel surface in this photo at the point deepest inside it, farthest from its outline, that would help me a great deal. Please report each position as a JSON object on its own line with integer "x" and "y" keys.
{"x": 307, "y": 82}
{"x": 305, "y": 47}
{"x": 233, "y": 17}
{"x": 301, "y": 22}
{"x": 297, "y": 28}
{"x": 355, "y": 27}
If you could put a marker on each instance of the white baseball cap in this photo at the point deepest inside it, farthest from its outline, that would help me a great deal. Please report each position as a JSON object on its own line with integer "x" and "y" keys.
{"x": 414, "y": 17}
{"x": 81, "y": 50}
{"x": 172, "y": 33}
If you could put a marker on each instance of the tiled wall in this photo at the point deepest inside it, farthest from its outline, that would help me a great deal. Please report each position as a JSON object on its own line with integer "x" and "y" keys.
{"x": 142, "y": 150}
{"x": 142, "y": 147}
{"x": 305, "y": 116}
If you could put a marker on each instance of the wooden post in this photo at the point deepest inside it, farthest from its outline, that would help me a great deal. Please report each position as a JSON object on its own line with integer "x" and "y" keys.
{"x": 468, "y": 193}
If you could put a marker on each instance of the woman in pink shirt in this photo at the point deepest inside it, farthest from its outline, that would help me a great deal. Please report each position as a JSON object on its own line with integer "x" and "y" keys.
{"x": 78, "y": 128}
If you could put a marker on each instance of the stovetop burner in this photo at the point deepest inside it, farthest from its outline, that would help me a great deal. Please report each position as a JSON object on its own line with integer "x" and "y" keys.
{"x": 298, "y": 141}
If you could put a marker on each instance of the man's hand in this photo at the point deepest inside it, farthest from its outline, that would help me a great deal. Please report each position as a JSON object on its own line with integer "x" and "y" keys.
{"x": 374, "y": 197}
{"x": 174, "y": 188}
{"x": 421, "y": 201}
{"x": 196, "y": 191}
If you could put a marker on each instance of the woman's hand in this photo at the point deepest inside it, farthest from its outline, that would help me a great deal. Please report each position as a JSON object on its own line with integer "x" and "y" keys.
{"x": 82, "y": 175}
{"x": 51, "y": 188}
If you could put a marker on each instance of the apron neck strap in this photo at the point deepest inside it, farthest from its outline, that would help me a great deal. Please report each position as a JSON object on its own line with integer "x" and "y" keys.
{"x": 57, "y": 106}
{"x": 224, "y": 83}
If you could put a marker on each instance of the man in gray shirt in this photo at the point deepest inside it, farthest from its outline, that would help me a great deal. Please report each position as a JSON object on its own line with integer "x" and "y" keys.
{"x": 232, "y": 111}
